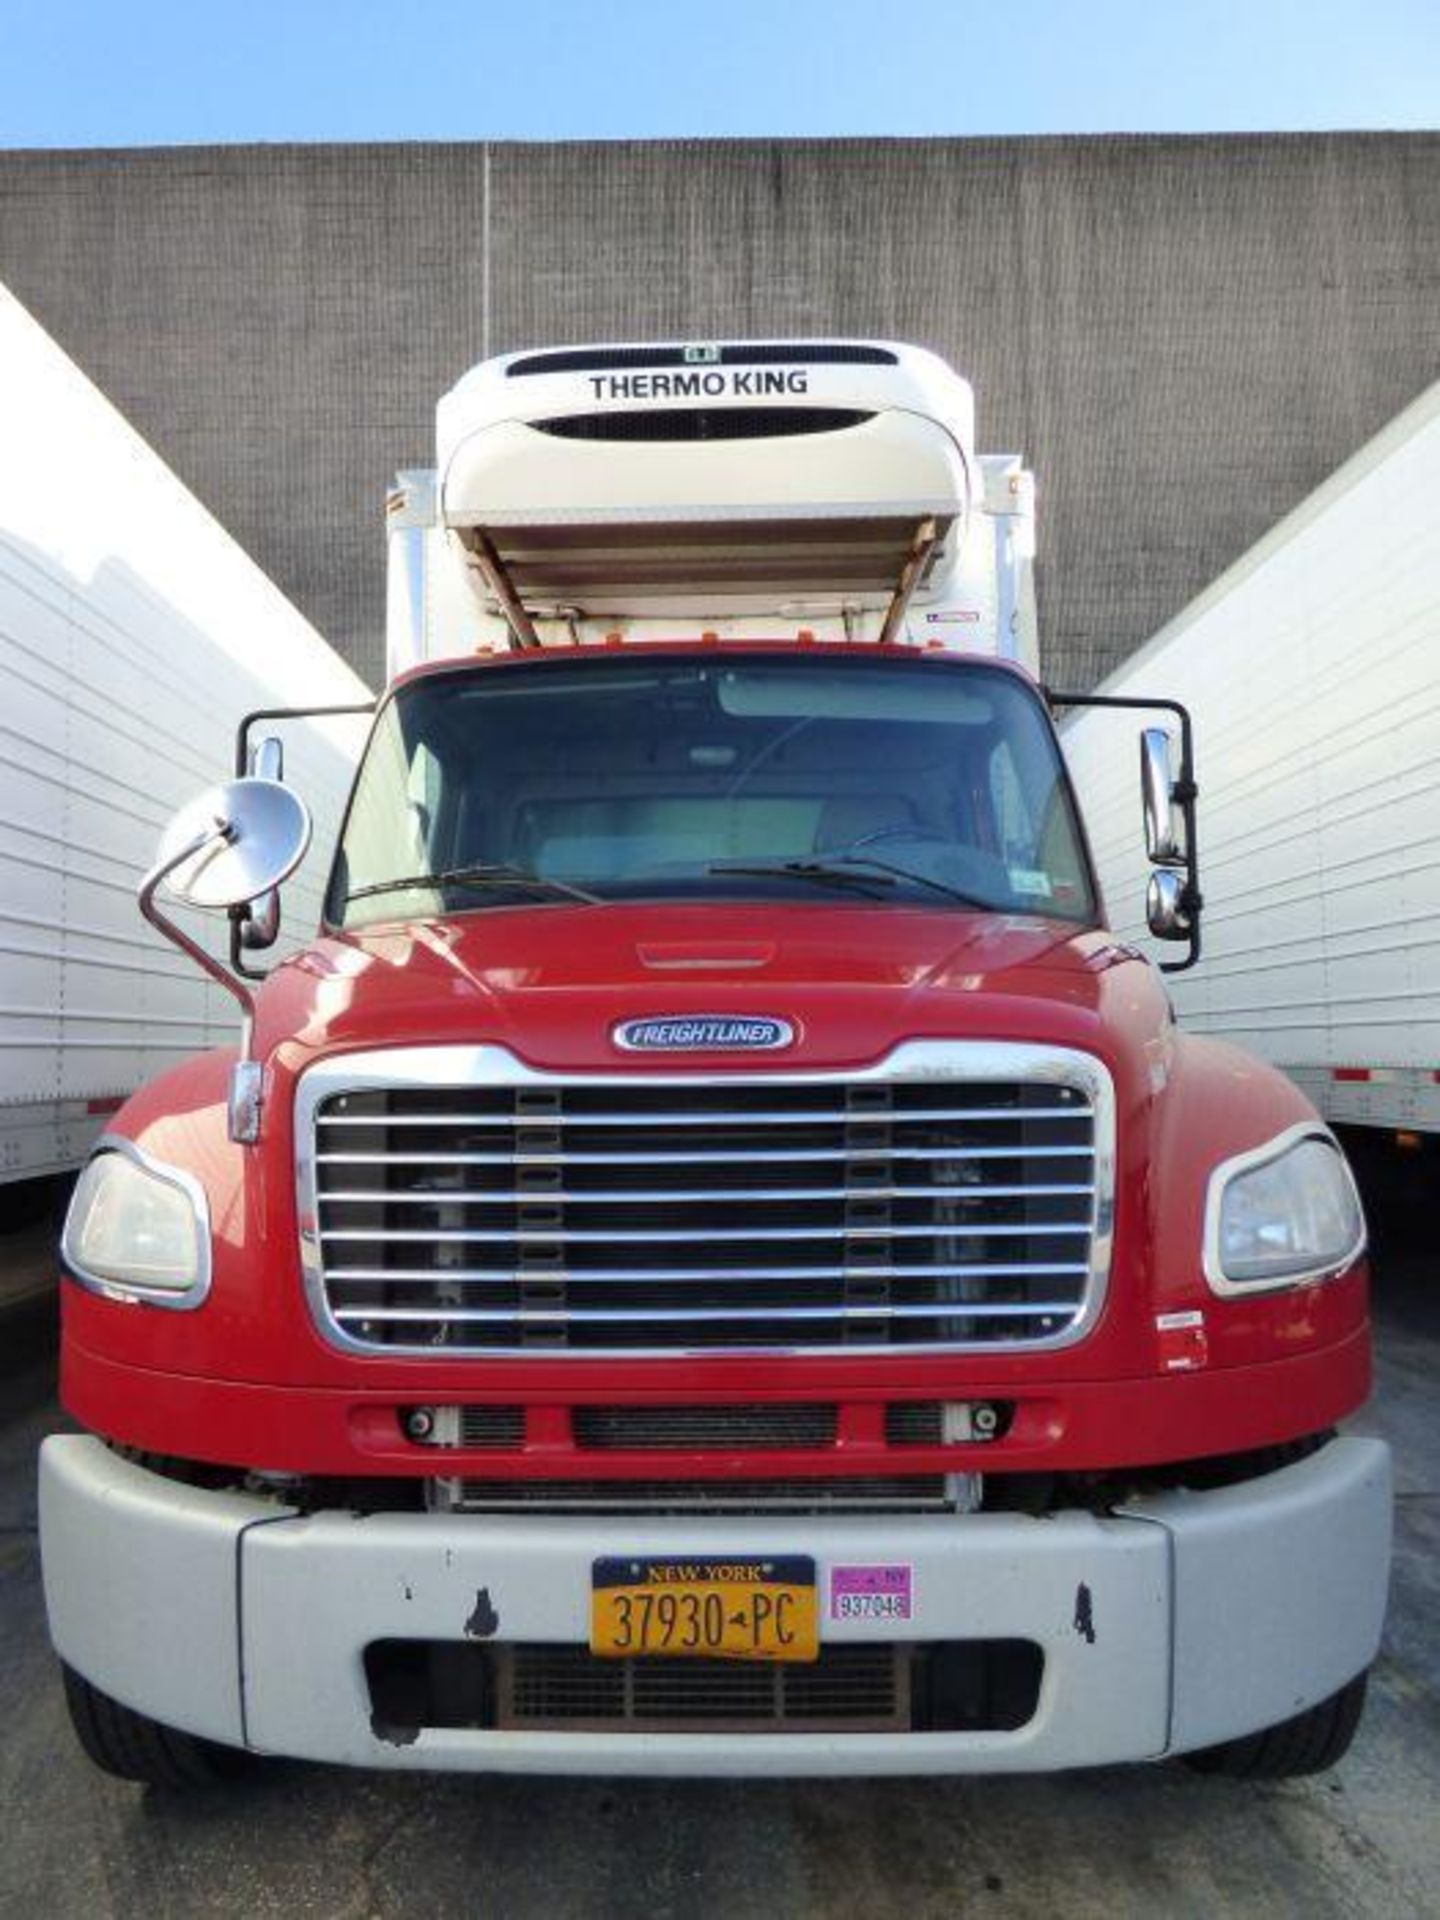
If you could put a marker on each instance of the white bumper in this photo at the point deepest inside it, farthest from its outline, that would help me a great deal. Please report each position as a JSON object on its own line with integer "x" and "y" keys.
{"x": 1205, "y": 1615}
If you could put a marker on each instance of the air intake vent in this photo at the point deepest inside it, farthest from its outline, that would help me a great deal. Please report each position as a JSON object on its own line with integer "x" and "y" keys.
{"x": 875, "y": 1493}
{"x": 492, "y": 1426}
{"x": 809, "y": 1423}
{"x": 939, "y": 1686}
{"x": 914, "y": 1423}
{"x": 860, "y": 1689}
{"x": 788, "y": 353}
{"x": 703, "y": 423}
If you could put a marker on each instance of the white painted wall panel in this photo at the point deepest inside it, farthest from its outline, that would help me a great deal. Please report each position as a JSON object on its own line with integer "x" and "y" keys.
{"x": 1312, "y": 669}
{"x": 134, "y": 633}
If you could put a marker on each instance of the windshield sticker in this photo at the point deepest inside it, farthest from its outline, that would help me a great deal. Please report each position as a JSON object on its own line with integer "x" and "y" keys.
{"x": 1030, "y": 880}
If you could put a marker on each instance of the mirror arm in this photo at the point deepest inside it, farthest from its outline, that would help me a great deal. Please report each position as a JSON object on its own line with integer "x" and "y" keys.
{"x": 245, "y": 1078}
{"x": 238, "y": 963}
{"x": 237, "y": 917}
{"x": 1184, "y": 792}
{"x": 242, "y": 732}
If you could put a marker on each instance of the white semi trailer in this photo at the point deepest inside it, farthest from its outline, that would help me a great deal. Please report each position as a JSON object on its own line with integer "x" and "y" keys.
{"x": 133, "y": 631}
{"x": 1312, "y": 671}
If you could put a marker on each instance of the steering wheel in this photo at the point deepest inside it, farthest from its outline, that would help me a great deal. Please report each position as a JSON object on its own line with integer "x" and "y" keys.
{"x": 898, "y": 831}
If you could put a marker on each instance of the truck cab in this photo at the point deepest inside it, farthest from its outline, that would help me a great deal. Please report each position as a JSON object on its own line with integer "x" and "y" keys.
{"x": 713, "y": 1259}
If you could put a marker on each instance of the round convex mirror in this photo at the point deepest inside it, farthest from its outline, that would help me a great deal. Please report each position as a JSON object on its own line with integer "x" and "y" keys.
{"x": 258, "y": 833}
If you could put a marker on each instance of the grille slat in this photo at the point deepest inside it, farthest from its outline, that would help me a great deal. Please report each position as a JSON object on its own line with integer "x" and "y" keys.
{"x": 689, "y": 1157}
{"x": 959, "y": 1229}
{"x": 631, "y": 1276}
{"x": 672, "y": 1316}
{"x": 706, "y": 1117}
{"x": 664, "y": 1196}
{"x": 746, "y": 1212}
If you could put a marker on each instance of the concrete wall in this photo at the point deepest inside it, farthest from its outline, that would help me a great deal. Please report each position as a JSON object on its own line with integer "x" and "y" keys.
{"x": 1183, "y": 335}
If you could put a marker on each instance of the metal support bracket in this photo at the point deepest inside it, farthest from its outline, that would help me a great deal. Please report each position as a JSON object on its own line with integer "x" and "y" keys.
{"x": 246, "y": 1078}
{"x": 927, "y": 537}
{"x": 492, "y": 569}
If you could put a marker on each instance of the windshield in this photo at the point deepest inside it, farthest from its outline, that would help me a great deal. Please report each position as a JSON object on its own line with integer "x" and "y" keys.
{"x": 749, "y": 776}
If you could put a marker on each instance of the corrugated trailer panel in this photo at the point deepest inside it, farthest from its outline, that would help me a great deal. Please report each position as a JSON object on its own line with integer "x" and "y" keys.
{"x": 133, "y": 634}
{"x": 1312, "y": 669}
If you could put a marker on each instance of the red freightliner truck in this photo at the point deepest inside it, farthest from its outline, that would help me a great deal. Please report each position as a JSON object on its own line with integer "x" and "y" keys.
{"x": 713, "y": 1260}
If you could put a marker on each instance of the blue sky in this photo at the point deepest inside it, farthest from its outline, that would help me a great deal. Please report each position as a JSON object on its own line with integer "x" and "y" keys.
{"x": 164, "y": 72}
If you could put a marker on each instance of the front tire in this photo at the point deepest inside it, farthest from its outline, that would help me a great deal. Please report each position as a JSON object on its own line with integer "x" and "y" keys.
{"x": 134, "y": 1747}
{"x": 1308, "y": 1743}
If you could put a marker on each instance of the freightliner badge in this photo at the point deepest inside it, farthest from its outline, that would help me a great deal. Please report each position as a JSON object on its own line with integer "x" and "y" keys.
{"x": 703, "y": 1033}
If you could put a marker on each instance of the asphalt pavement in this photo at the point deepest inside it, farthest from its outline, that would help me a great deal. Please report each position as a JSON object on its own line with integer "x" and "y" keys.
{"x": 1362, "y": 1840}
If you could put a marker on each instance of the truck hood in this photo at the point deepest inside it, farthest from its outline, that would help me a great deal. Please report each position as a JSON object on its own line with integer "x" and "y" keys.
{"x": 551, "y": 983}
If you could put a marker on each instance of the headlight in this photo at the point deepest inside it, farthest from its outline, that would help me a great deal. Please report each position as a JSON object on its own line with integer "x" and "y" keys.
{"x": 1281, "y": 1215}
{"x": 138, "y": 1230}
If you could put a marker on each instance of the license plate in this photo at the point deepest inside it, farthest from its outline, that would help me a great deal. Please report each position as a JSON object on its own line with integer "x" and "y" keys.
{"x": 716, "y": 1608}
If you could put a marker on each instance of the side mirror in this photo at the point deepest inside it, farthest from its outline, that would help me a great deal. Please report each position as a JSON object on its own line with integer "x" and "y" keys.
{"x": 1174, "y": 902}
{"x": 257, "y": 924}
{"x": 1167, "y": 909}
{"x": 1164, "y": 830}
{"x": 228, "y": 847}
{"x": 233, "y": 844}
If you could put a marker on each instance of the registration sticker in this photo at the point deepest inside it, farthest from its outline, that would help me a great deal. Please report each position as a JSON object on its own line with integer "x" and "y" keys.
{"x": 871, "y": 1593}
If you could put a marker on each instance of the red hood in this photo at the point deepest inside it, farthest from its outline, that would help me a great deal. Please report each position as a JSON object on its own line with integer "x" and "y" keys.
{"x": 551, "y": 982}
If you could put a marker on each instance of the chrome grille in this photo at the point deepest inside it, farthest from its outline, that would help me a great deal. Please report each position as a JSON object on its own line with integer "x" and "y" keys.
{"x": 494, "y": 1209}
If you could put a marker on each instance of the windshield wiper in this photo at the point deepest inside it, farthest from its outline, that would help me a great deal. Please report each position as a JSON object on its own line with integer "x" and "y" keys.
{"x": 837, "y": 872}
{"x": 818, "y": 870}
{"x": 498, "y": 877}
{"x": 920, "y": 879}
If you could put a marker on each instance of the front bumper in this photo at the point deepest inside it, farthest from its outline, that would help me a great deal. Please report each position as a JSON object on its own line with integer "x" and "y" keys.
{"x": 1204, "y": 1615}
